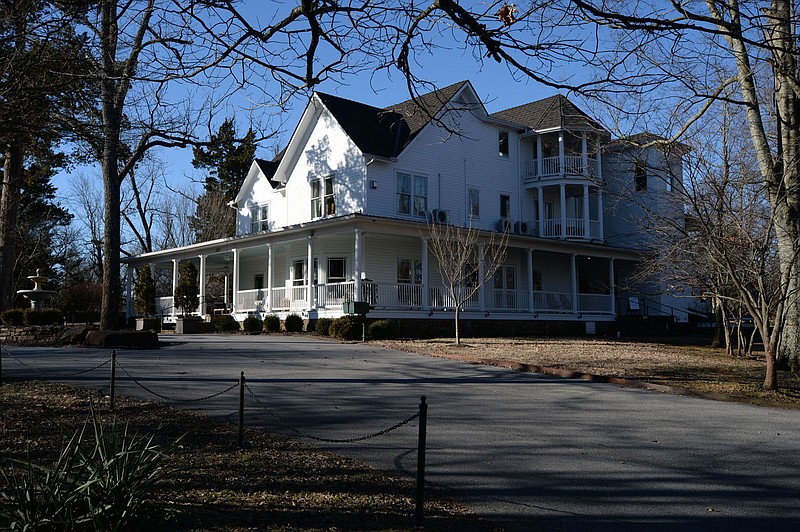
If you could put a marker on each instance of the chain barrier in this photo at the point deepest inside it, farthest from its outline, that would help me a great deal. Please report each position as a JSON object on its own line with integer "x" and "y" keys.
{"x": 176, "y": 399}
{"x": 299, "y": 432}
{"x": 56, "y": 373}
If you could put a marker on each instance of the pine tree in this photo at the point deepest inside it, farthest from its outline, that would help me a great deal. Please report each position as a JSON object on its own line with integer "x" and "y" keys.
{"x": 186, "y": 297}
{"x": 144, "y": 295}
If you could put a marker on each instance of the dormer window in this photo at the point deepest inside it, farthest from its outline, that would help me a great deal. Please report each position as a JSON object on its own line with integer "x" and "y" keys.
{"x": 323, "y": 202}
{"x": 259, "y": 218}
{"x": 502, "y": 144}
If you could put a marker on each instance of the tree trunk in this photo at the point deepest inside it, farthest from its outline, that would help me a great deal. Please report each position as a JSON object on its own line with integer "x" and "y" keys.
{"x": 458, "y": 337}
{"x": 719, "y": 329}
{"x": 9, "y": 216}
{"x": 771, "y": 375}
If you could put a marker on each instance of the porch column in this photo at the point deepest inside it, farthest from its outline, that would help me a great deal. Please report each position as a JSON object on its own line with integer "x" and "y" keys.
{"x": 270, "y": 269}
{"x": 426, "y": 296}
{"x": 585, "y": 155}
{"x": 357, "y": 265}
{"x": 561, "y": 154}
{"x": 481, "y": 275}
{"x": 600, "y": 232}
{"x": 235, "y": 287}
{"x": 538, "y": 156}
{"x": 612, "y": 288}
{"x": 310, "y": 272}
{"x": 173, "y": 312}
{"x": 540, "y": 194}
{"x": 129, "y": 288}
{"x": 531, "y": 307}
{"x": 201, "y": 309}
{"x": 574, "y": 271}
{"x": 586, "y": 225}
{"x": 562, "y": 189}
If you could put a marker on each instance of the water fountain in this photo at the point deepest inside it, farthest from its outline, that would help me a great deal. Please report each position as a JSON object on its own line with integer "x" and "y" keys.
{"x": 37, "y": 295}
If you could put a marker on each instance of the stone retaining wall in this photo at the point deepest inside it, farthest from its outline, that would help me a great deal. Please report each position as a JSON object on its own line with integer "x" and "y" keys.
{"x": 31, "y": 334}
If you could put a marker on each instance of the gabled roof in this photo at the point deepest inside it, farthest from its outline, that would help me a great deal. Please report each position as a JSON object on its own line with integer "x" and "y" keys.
{"x": 268, "y": 168}
{"x": 553, "y": 112}
{"x": 386, "y": 132}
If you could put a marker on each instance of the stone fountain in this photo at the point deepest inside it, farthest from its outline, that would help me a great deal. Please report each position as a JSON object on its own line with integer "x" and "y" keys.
{"x": 37, "y": 295}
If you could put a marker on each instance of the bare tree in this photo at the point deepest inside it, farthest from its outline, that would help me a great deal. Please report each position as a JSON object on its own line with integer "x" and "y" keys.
{"x": 467, "y": 259}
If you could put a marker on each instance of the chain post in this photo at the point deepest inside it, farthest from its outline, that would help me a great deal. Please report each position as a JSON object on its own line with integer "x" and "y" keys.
{"x": 419, "y": 511}
{"x": 113, "y": 379}
{"x": 1, "y": 364}
{"x": 241, "y": 409}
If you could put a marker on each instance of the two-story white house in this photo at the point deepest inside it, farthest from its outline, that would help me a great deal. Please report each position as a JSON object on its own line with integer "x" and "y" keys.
{"x": 343, "y": 212}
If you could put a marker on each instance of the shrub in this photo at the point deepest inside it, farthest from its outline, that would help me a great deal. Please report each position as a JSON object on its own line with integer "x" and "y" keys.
{"x": 13, "y": 316}
{"x": 346, "y": 328}
{"x": 381, "y": 330}
{"x": 224, "y": 323}
{"x": 322, "y": 327}
{"x": 252, "y": 324}
{"x": 98, "y": 483}
{"x": 42, "y": 317}
{"x": 293, "y": 323}
{"x": 272, "y": 323}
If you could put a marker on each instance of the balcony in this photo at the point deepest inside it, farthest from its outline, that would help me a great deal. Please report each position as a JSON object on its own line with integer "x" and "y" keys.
{"x": 551, "y": 167}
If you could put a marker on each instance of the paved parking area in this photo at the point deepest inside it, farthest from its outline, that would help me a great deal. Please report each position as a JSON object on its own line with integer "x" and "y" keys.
{"x": 530, "y": 451}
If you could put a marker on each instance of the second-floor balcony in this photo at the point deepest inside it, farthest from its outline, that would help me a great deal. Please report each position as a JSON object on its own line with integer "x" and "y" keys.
{"x": 554, "y": 167}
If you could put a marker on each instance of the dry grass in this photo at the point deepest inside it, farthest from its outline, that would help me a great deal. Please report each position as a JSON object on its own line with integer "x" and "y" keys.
{"x": 274, "y": 483}
{"x": 700, "y": 369}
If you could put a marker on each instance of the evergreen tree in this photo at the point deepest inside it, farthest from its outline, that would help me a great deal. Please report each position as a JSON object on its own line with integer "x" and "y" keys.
{"x": 227, "y": 160}
{"x": 144, "y": 294}
{"x": 186, "y": 297}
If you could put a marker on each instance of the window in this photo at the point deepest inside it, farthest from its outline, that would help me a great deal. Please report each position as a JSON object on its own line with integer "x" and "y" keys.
{"x": 337, "y": 266}
{"x": 298, "y": 272}
{"x": 412, "y": 195}
{"x": 323, "y": 202}
{"x": 473, "y": 203}
{"x": 505, "y": 206}
{"x": 259, "y": 218}
{"x": 640, "y": 176}
{"x": 502, "y": 144}
{"x": 258, "y": 281}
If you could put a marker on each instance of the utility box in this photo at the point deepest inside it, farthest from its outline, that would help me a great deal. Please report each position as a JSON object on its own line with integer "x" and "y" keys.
{"x": 356, "y": 307}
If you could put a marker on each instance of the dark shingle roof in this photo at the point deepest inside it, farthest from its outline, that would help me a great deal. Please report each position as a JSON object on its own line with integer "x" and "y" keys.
{"x": 555, "y": 111}
{"x": 386, "y": 132}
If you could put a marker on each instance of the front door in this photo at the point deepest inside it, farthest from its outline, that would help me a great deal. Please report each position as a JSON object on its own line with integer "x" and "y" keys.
{"x": 505, "y": 287}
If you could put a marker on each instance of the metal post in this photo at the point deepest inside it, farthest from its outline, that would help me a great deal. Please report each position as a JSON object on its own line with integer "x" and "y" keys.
{"x": 423, "y": 422}
{"x": 1, "y": 364}
{"x": 241, "y": 409}
{"x": 113, "y": 378}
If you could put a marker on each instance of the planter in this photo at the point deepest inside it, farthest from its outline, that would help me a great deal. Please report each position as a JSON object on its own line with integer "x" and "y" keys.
{"x": 188, "y": 326}
{"x": 148, "y": 324}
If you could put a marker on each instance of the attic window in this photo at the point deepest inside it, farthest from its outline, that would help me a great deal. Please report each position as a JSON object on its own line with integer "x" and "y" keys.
{"x": 502, "y": 144}
{"x": 259, "y": 218}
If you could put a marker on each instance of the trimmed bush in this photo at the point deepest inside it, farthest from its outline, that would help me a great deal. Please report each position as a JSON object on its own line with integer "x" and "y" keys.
{"x": 346, "y": 328}
{"x": 224, "y": 323}
{"x": 252, "y": 324}
{"x": 13, "y": 316}
{"x": 322, "y": 327}
{"x": 381, "y": 330}
{"x": 293, "y": 323}
{"x": 272, "y": 323}
{"x": 42, "y": 317}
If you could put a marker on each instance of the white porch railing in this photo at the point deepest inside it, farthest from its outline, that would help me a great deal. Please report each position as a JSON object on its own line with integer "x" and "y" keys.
{"x": 404, "y": 296}
{"x": 551, "y": 166}
{"x": 165, "y": 306}
{"x": 552, "y": 227}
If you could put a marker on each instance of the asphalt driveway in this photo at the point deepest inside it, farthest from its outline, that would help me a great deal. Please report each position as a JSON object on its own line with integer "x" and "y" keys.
{"x": 530, "y": 451}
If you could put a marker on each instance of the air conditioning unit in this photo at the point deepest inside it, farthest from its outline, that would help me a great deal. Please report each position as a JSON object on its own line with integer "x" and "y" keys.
{"x": 521, "y": 228}
{"x": 504, "y": 225}
{"x": 440, "y": 216}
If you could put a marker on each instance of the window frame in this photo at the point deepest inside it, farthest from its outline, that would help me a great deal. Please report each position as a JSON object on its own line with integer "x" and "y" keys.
{"x": 259, "y": 217}
{"x": 411, "y": 194}
{"x": 323, "y": 196}
{"x": 337, "y": 279}
{"x": 640, "y": 176}
{"x": 505, "y": 203}
{"x": 474, "y": 204}
{"x": 503, "y": 144}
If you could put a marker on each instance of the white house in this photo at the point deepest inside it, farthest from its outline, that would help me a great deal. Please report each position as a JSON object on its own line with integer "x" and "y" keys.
{"x": 342, "y": 213}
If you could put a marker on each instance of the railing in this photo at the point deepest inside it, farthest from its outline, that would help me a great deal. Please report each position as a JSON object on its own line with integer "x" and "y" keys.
{"x": 551, "y": 166}
{"x": 552, "y": 302}
{"x": 594, "y": 229}
{"x": 575, "y": 227}
{"x": 594, "y": 303}
{"x": 506, "y": 300}
{"x": 552, "y": 227}
{"x": 335, "y": 294}
{"x": 292, "y": 298}
{"x": 165, "y": 306}
{"x": 247, "y": 300}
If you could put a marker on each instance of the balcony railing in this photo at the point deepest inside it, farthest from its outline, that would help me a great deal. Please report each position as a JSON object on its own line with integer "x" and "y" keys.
{"x": 575, "y": 228}
{"x": 551, "y": 166}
